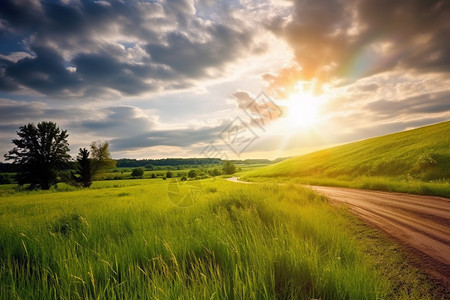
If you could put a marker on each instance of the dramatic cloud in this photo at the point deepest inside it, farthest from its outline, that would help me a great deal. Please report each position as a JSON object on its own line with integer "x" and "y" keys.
{"x": 337, "y": 39}
{"x": 88, "y": 48}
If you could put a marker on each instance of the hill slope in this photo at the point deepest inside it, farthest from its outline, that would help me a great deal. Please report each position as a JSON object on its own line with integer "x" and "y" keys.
{"x": 422, "y": 154}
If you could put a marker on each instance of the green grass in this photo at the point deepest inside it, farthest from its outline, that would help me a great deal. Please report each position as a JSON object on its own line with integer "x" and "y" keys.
{"x": 238, "y": 242}
{"x": 415, "y": 161}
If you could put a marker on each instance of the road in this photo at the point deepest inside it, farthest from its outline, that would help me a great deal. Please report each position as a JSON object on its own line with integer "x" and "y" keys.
{"x": 421, "y": 223}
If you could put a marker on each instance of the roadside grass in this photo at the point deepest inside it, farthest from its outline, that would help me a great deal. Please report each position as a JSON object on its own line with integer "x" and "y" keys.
{"x": 391, "y": 184}
{"x": 238, "y": 241}
{"x": 414, "y": 161}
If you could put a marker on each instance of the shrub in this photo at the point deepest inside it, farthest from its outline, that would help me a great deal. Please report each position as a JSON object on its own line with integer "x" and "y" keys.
{"x": 137, "y": 172}
{"x": 192, "y": 174}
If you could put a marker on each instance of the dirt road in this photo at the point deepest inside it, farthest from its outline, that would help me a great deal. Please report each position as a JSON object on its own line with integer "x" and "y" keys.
{"x": 421, "y": 223}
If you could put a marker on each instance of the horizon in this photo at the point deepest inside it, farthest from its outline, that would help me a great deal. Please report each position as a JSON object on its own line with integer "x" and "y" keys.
{"x": 237, "y": 79}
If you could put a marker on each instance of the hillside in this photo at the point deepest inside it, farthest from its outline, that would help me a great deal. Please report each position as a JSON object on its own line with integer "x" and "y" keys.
{"x": 420, "y": 155}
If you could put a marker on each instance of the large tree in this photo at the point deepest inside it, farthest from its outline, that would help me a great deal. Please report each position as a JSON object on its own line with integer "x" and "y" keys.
{"x": 39, "y": 153}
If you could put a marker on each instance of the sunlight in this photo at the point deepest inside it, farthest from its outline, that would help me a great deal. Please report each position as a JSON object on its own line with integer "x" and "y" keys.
{"x": 302, "y": 109}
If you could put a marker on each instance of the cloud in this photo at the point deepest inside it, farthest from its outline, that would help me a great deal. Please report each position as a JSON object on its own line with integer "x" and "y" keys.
{"x": 177, "y": 137}
{"x": 423, "y": 104}
{"x": 337, "y": 39}
{"x": 92, "y": 48}
{"x": 192, "y": 58}
{"x": 116, "y": 121}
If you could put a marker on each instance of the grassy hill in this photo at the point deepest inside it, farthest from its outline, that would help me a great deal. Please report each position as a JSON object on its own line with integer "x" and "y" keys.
{"x": 415, "y": 161}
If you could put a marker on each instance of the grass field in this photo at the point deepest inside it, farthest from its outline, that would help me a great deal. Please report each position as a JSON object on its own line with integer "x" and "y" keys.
{"x": 414, "y": 161}
{"x": 125, "y": 239}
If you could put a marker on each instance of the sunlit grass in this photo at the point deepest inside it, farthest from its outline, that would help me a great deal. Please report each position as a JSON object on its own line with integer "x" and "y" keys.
{"x": 238, "y": 241}
{"x": 416, "y": 161}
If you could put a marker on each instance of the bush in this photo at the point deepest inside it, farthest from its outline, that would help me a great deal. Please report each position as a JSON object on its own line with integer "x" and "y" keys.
{"x": 183, "y": 178}
{"x": 229, "y": 168}
{"x": 192, "y": 174}
{"x": 169, "y": 174}
{"x": 153, "y": 175}
{"x": 137, "y": 172}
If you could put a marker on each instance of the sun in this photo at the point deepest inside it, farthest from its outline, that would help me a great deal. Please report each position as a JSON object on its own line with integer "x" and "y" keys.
{"x": 302, "y": 110}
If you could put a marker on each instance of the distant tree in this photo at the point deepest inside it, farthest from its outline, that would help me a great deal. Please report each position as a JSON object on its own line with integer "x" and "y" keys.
{"x": 216, "y": 172}
{"x": 192, "y": 174}
{"x": 229, "y": 168}
{"x": 137, "y": 172}
{"x": 169, "y": 174}
{"x": 153, "y": 175}
{"x": 83, "y": 175}
{"x": 183, "y": 178}
{"x": 150, "y": 167}
{"x": 39, "y": 153}
{"x": 101, "y": 158}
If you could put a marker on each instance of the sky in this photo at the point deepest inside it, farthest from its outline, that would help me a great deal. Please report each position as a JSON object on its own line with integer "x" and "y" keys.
{"x": 228, "y": 79}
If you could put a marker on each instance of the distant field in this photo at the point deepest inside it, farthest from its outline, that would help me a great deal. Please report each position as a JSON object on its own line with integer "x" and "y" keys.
{"x": 415, "y": 161}
{"x": 126, "y": 239}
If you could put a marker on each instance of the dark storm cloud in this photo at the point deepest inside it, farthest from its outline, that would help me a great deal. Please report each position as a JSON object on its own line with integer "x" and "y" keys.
{"x": 44, "y": 73}
{"x": 85, "y": 48}
{"x": 193, "y": 58}
{"x": 352, "y": 38}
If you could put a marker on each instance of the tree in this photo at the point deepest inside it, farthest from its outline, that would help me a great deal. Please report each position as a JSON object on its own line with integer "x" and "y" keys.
{"x": 101, "y": 158}
{"x": 83, "y": 176}
{"x": 39, "y": 153}
{"x": 169, "y": 174}
{"x": 192, "y": 174}
{"x": 215, "y": 172}
{"x": 229, "y": 168}
{"x": 137, "y": 172}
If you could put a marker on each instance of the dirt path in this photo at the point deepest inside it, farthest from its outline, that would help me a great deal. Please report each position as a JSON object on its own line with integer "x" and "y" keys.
{"x": 420, "y": 223}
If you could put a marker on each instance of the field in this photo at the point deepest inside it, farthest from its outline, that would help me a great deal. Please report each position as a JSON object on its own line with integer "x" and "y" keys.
{"x": 414, "y": 161}
{"x": 127, "y": 239}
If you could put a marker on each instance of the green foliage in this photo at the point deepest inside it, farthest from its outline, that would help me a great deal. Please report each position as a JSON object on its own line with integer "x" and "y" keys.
{"x": 228, "y": 168}
{"x": 169, "y": 174}
{"x": 84, "y": 174}
{"x": 5, "y": 179}
{"x": 192, "y": 174}
{"x": 410, "y": 158}
{"x": 101, "y": 158}
{"x": 122, "y": 240}
{"x": 137, "y": 172}
{"x": 153, "y": 175}
{"x": 67, "y": 224}
{"x": 39, "y": 153}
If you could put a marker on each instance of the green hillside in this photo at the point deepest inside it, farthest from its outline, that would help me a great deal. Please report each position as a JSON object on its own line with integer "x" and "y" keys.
{"x": 415, "y": 161}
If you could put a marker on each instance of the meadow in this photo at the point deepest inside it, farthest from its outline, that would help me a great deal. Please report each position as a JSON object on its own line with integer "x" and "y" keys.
{"x": 415, "y": 161}
{"x": 125, "y": 239}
